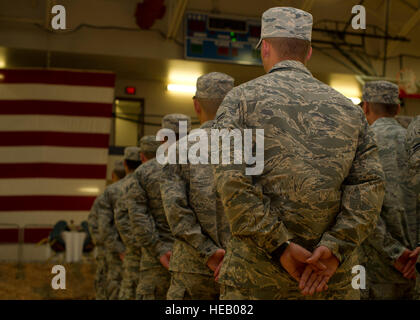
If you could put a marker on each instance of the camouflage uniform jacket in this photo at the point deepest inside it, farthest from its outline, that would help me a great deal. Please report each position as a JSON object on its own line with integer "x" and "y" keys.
{"x": 195, "y": 214}
{"x": 322, "y": 182}
{"x": 122, "y": 219}
{"x": 93, "y": 219}
{"x": 413, "y": 150}
{"x": 106, "y": 223}
{"x": 94, "y": 213}
{"x": 413, "y": 144}
{"x": 151, "y": 230}
{"x": 391, "y": 236}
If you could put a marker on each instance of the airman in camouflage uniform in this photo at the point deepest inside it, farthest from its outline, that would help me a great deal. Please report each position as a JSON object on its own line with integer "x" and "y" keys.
{"x": 113, "y": 244}
{"x": 132, "y": 255}
{"x": 195, "y": 213}
{"x": 322, "y": 184}
{"x": 101, "y": 267}
{"x": 149, "y": 222}
{"x": 391, "y": 237}
{"x": 413, "y": 150}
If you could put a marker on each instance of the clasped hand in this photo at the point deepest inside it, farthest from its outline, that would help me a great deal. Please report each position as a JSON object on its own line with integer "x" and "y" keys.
{"x": 406, "y": 263}
{"x": 311, "y": 270}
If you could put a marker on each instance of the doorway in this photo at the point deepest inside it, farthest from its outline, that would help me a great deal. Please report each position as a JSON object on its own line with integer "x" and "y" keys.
{"x": 127, "y": 122}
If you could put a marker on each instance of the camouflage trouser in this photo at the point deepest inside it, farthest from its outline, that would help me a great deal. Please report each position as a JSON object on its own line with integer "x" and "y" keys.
{"x": 193, "y": 286}
{"x": 417, "y": 291}
{"x": 130, "y": 278}
{"x": 114, "y": 275}
{"x": 153, "y": 284}
{"x": 273, "y": 293}
{"x": 100, "y": 277}
{"x": 390, "y": 291}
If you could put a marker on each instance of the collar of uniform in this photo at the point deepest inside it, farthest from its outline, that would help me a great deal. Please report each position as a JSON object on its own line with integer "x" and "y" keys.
{"x": 128, "y": 175}
{"x": 290, "y": 64}
{"x": 384, "y": 121}
{"x": 207, "y": 124}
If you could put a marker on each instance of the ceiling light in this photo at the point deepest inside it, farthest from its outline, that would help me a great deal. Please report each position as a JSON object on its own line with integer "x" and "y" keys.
{"x": 355, "y": 100}
{"x": 181, "y": 88}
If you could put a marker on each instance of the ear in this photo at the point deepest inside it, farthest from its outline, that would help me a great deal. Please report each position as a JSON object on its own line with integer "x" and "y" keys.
{"x": 365, "y": 107}
{"x": 125, "y": 166}
{"x": 197, "y": 107}
{"x": 114, "y": 177}
{"x": 308, "y": 57}
{"x": 143, "y": 157}
{"x": 265, "y": 49}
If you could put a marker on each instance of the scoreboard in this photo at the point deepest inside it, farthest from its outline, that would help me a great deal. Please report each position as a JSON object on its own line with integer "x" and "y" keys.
{"x": 222, "y": 39}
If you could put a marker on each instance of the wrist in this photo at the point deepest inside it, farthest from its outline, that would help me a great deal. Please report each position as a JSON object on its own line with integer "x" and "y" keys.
{"x": 276, "y": 254}
{"x": 333, "y": 247}
{"x": 160, "y": 249}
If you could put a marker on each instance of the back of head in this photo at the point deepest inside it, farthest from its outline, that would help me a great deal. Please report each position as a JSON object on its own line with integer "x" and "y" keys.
{"x": 382, "y": 97}
{"x": 172, "y": 122}
{"x": 148, "y": 146}
{"x": 119, "y": 169}
{"x": 290, "y": 49}
{"x": 212, "y": 89}
{"x": 132, "y": 157}
{"x": 289, "y": 31}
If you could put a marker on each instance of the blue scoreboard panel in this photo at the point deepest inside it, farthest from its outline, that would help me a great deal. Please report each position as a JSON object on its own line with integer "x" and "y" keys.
{"x": 223, "y": 39}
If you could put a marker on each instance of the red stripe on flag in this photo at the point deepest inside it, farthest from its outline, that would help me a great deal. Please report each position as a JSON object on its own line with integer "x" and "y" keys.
{"x": 61, "y": 139}
{"x": 57, "y": 77}
{"x": 30, "y": 235}
{"x": 47, "y": 203}
{"x": 9, "y": 235}
{"x": 35, "y": 235}
{"x": 64, "y": 108}
{"x": 52, "y": 170}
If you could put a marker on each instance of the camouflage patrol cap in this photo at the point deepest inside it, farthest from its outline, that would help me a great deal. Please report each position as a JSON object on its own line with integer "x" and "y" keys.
{"x": 149, "y": 144}
{"x": 381, "y": 92}
{"x": 286, "y": 22}
{"x": 132, "y": 153}
{"x": 171, "y": 121}
{"x": 214, "y": 85}
{"x": 118, "y": 165}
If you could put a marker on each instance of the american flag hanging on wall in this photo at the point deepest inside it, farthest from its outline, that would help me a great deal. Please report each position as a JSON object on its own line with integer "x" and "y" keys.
{"x": 54, "y": 135}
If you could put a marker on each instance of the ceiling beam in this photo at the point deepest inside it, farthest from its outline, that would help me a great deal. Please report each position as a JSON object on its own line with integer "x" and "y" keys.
{"x": 176, "y": 18}
{"x": 405, "y": 30}
{"x": 408, "y": 4}
{"x": 307, "y": 5}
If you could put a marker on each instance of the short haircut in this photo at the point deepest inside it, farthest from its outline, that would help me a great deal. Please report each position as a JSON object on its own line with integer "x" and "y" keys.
{"x": 382, "y": 109}
{"x": 166, "y": 138}
{"x": 149, "y": 155}
{"x": 290, "y": 47}
{"x": 119, "y": 173}
{"x": 210, "y": 106}
{"x": 132, "y": 165}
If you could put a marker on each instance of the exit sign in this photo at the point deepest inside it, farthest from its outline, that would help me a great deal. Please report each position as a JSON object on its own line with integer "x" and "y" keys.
{"x": 130, "y": 90}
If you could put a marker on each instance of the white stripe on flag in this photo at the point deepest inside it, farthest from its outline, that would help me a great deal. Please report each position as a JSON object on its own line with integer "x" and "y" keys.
{"x": 53, "y": 187}
{"x": 54, "y": 123}
{"x": 49, "y": 154}
{"x": 23, "y": 218}
{"x": 56, "y": 93}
